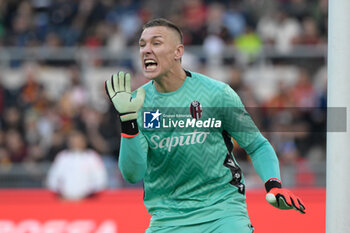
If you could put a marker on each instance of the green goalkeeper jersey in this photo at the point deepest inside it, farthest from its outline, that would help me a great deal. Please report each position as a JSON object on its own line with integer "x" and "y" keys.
{"x": 184, "y": 152}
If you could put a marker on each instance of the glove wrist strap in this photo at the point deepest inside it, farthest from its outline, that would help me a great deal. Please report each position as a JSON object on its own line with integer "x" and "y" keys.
{"x": 272, "y": 183}
{"x": 129, "y": 128}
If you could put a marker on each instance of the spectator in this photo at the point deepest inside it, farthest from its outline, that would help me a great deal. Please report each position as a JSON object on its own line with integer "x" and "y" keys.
{"x": 21, "y": 32}
{"x": 31, "y": 89}
{"x": 195, "y": 14}
{"x": 125, "y": 14}
{"x": 116, "y": 42}
{"x": 77, "y": 92}
{"x": 57, "y": 144}
{"x": 77, "y": 172}
{"x": 299, "y": 8}
{"x": 303, "y": 92}
{"x": 234, "y": 19}
{"x": 214, "y": 46}
{"x": 4, "y": 156}
{"x": 281, "y": 30}
{"x": 92, "y": 120}
{"x": 2, "y": 97}
{"x": 249, "y": 45}
{"x": 320, "y": 14}
{"x": 310, "y": 33}
{"x": 14, "y": 143}
{"x": 12, "y": 119}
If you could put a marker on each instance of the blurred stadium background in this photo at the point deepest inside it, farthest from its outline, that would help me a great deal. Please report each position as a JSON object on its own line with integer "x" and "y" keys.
{"x": 56, "y": 54}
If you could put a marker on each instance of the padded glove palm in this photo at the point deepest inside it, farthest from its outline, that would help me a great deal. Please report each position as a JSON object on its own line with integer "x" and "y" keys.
{"x": 282, "y": 198}
{"x": 119, "y": 91}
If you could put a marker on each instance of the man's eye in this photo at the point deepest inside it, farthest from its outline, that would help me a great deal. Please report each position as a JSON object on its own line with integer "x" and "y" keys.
{"x": 142, "y": 45}
{"x": 156, "y": 43}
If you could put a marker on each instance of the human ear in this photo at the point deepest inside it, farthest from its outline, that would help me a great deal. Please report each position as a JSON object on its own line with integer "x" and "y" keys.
{"x": 179, "y": 51}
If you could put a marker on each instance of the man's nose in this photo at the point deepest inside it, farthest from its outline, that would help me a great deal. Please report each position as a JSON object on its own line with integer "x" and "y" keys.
{"x": 146, "y": 49}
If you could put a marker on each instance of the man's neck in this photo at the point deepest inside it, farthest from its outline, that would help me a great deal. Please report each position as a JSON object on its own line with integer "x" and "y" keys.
{"x": 171, "y": 81}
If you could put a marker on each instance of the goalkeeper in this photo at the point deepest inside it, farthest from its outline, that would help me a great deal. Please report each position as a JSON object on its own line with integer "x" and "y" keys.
{"x": 192, "y": 182}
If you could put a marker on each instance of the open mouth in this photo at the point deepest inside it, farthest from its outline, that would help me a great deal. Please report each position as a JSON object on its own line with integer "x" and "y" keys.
{"x": 150, "y": 65}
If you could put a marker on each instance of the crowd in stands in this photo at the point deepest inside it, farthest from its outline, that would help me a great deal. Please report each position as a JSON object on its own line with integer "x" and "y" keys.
{"x": 34, "y": 127}
{"x": 117, "y": 23}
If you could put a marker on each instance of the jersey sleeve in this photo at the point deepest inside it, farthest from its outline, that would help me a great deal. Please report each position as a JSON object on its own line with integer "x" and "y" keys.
{"x": 264, "y": 158}
{"x": 133, "y": 158}
{"x": 238, "y": 123}
{"x": 236, "y": 120}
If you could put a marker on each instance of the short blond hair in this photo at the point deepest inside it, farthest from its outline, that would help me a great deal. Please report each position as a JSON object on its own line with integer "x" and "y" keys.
{"x": 165, "y": 23}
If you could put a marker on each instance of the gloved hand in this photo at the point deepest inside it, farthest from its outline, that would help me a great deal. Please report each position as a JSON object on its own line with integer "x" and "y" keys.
{"x": 282, "y": 198}
{"x": 119, "y": 91}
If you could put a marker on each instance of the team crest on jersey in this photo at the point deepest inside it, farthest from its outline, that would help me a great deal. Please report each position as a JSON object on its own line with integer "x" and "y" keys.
{"x": 196, "y": 109}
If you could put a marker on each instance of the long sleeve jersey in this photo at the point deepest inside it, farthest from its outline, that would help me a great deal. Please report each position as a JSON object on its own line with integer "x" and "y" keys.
{"x": 184, "y": 152}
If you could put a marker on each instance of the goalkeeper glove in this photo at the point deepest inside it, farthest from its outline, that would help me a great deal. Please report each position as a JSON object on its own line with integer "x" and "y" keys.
{"x": 282, "y": 198}
{"x": 119, "y": 92}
